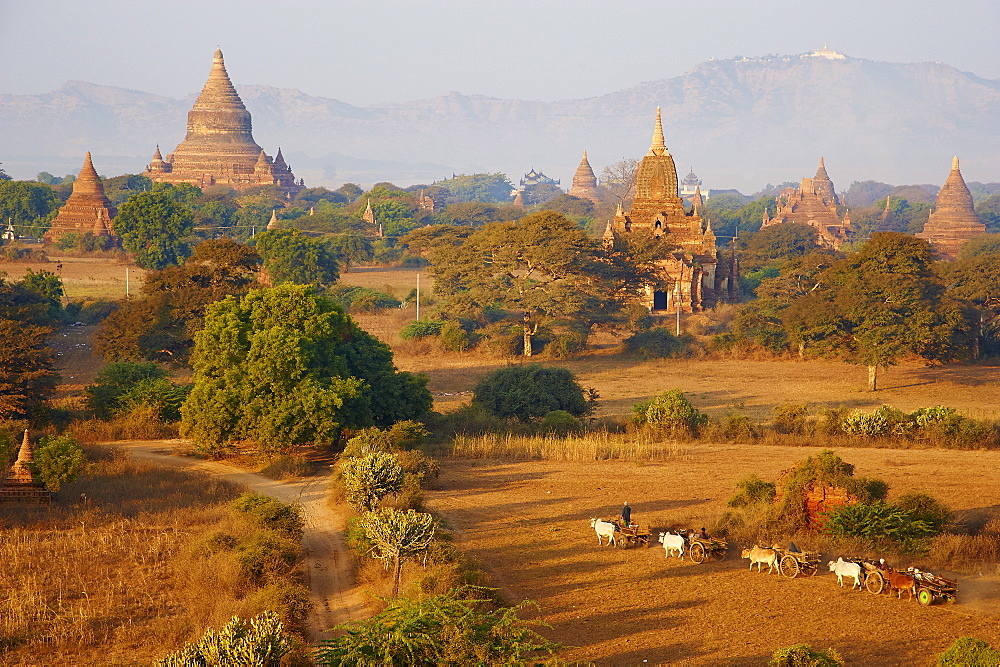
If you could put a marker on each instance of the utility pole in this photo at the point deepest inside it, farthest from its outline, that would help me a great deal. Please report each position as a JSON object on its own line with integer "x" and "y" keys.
{"x": 418, "y": 295}
{"x": 126, "y": 281}
{"x": 677, "y": 301}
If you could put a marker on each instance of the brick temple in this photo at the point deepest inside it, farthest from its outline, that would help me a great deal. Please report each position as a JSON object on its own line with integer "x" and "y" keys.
{"x": 219, "y": 148}
{"x": 701, "y": 276}
{"x": 18, "y": 485}
{"x": 814, "y": 203}
{"x": 86, "y": 210}
{"x": 584, "y": 181}
{"x": 953, "y": 220}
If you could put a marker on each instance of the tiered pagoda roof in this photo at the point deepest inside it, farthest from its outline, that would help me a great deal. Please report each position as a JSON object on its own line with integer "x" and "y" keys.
{"x": 953, "y": 220}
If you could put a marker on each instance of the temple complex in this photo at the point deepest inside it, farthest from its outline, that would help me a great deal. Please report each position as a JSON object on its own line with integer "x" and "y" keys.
{"x": 219, "y": 148}
{"x": 692, "y": 184}
{"x": 953, "y": 220}
{"x": 584, "y": 181}
{"x": 700, "y": 275}
{"x": 814, "y": 203}
{"x": 18, "y": 485}
{"x": 86, "y": 210}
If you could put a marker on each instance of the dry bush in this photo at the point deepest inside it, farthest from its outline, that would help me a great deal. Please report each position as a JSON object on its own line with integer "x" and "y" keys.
{"x": 143, "y": 423}
{"x": 126, "y": 577}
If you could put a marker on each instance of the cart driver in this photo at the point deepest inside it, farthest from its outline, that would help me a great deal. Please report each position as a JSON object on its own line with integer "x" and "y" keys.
{"x": 626, "y": 515}
{"x": 702, "y": 534}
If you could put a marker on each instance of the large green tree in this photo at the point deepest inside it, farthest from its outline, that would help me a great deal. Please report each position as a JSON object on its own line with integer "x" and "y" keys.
{"x": 155, "y": 228}
{"x": 29, "y": 206}
{"x": 488, "y": 188}
{"x": 290, "y": 256}
{"x": 880, "y": 304}
{"x": 284, "y": 366}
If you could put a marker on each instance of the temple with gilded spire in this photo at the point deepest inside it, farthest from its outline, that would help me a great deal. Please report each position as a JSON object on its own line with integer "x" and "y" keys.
{"x": 584, "y": 181}
{"x": 953, "y": 220}
{"x": 701, "y": 277}
{"x": 87, "y": 210}
{"x": 219, "y": 148}
{"x": 814, "y": 203}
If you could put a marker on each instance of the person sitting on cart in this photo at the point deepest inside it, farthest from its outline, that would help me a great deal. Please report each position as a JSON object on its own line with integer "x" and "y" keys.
{"x": 626, "y": 515}
{"x": 702, "y": 535}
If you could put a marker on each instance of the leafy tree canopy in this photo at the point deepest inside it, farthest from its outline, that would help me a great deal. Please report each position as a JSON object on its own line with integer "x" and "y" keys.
{"x": 120, "y": 188}
{"x": 27, "y": 203}
{"x": 488, "y": 188}
{"x": 284, "y": 366}
{"x": 290, "y": 256}
{"x": 530, "y": 392}
{"x": 155, "y": 228}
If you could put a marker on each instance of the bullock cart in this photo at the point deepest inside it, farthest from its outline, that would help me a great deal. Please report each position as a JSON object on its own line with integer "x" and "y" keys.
{"x": 931, "y": 588}
{"x": 701, "y": 549}
{"x": 793, "y": 563}
{"x": 633, "y": 534}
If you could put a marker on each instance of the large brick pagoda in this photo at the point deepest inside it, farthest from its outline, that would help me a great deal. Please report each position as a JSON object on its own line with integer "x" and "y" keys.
{"x": 700, "y": 276}
{"x": 219, "y": 148}
{"x": 87, "y": 210}
{"x": 953, "y": 220}
{"x": 814, "y": 203}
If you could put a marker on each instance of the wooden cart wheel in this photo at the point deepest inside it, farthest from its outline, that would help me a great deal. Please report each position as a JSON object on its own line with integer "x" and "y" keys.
{"x": 925, "y": 596}
{"x": 789, "y": 567}
{"x": 874, "y": 582}
{"x": 698, "y": 552}
{"x": 721, "y": 553}
{"x": 623, "y": 542}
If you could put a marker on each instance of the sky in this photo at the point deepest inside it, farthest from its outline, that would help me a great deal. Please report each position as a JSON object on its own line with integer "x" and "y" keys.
{"x": 374, "y": 51}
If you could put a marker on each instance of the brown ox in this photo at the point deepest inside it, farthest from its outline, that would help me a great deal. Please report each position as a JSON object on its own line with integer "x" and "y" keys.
{"x": 760, "y": 556}
{"x": 900, "y": 582}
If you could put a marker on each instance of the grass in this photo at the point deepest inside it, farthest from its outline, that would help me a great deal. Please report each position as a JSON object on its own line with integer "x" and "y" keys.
{"x": 84, "y": 277}
{"x": 133, "y": 573}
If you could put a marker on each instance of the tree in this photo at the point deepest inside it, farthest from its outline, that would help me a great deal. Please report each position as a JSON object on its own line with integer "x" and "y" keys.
{"x": 284, "y": 366}
{"x": 27, "y": 204}
{"x": 530, "y": 392}
{"x": 120, "y": 188}
{"x": 162, "y": 322}
{"x": 155, "y": 228}
{"x": 398, "y": 536}
{"x": 369, "y": 478}
{"x": 114, "y": 381}
{"x": 59, "y": 460}
{"x": 670, "y": 410}
{"x": 3, "y": 175}
{"x": 882, "y": 303}
{"x": 618, "y": 181}
{"x": 27, "y": 368}
{"x": 290, "y": 256}
{"x": 488, "y": 188}
{"x": 778, "y": 242}
{"x": 450, "y": 628}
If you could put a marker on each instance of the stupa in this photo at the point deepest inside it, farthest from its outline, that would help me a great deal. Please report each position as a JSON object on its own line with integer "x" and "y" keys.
{"x": 953, "y": 220}
{"x": 584, "y": 181}
{"x": 815, "y": 204}
{"x": 701, "y": 277}
{"x": 18, "y": 484}
{"x": 219, "y": 148}
{"x": 87, "y": 209}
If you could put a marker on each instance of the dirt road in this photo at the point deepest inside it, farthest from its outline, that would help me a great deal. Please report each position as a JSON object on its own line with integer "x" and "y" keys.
{"x": 329, "y": 569}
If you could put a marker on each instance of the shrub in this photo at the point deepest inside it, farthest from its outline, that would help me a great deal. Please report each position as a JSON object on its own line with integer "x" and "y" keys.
{"x": 453, "y": 337}
{"x": 530, "y": 392}
{"x": 59, "y": 460}
{"x": 260, "y": 642}
{"x": 369, "y": 478}
{"x": 159, "y": 394}
{"x": 656, "y": 343}
{"x": 925, "y": 508}
{"x": 266, "y": 557}
{"x": 368, "y": 441}
{"x": 560, "y": 422}
{"x": 397, "y": 536}
{"x": 790, "y": 418}
{"x": 969, "y": 651}
{"x": 801, "y": 655}
{"x": 883, "y": 421}
{"x": 879, "y": 522}
{"x": 670, "y": 410}
{"x": 421, "y": 329}
{"x": 448, "y": 628}
{"x": 566, "y": 345}
{"x": 115, "y": 380}
{"x": 739, "y": 427}
{"x": 752, "y": 491}
{"x": 271, "y": 513}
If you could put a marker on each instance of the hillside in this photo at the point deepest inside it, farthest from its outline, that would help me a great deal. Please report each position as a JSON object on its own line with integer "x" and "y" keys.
{"x": 741, "y": 123}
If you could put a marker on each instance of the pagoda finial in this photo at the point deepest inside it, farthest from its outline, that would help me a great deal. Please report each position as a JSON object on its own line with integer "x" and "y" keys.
{"x": 954, "y": 163}
{"x": 658, "y": 147}
{"x": 217, "y": 56}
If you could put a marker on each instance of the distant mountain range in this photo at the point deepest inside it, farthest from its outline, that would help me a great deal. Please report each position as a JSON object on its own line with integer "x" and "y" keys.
{"x": 739, "y": 123}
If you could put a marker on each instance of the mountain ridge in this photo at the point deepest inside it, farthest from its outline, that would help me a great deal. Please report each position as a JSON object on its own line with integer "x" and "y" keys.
{"x": 739, "y": 122}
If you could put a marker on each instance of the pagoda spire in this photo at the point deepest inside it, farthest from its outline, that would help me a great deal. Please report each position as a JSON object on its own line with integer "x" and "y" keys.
{"x": 821, "y": 171}
{"x": 272, "y": 224}
{"x": 658, "y": 147}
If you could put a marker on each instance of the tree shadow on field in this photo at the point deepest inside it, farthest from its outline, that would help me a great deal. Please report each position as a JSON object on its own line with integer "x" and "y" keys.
{"x": 964, "y": 375}
{"x": 495, "y": 478}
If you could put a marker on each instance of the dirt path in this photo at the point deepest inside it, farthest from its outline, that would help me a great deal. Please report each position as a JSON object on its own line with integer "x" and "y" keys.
{"x": 329, "y": 570}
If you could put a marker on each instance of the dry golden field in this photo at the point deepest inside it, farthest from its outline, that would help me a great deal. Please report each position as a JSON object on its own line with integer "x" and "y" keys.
{"x": 84, "y": 277}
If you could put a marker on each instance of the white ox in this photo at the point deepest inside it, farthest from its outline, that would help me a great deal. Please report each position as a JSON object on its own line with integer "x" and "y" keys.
{"x": 845, "y": 568}
{"x": 672, "y": 542}
{"x": 760, "y": 557}
{"x": 604, "y": 529}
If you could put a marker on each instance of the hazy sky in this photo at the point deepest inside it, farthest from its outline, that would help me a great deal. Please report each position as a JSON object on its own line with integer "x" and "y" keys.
{"x": 366, "y": 52}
